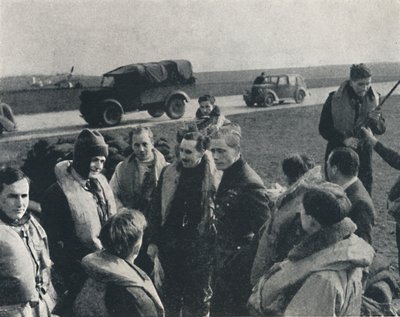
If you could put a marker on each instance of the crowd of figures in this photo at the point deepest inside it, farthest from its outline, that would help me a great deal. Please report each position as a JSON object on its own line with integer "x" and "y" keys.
{"x": 203, "y": 235}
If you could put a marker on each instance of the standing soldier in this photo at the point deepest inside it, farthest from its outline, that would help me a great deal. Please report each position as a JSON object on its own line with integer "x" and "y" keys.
{"x": 348, "y": 109}
{"x": 181, "y": 216}
{"x": 136, "y": 178}
{"x": 25, "y": 283}
{"x": 76, "y": 207}
{"x": 242, "y": 207}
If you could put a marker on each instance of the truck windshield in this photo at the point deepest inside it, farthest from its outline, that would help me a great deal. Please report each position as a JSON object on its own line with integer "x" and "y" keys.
{"x": 107, "y": 82}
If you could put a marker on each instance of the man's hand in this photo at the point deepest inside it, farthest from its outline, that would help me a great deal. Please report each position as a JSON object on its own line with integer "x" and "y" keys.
{"x": 351, "y": 142}
{"x": 152, "y": 251}
{"x": 369, "y": 136}
{"x": 374, "y": 115}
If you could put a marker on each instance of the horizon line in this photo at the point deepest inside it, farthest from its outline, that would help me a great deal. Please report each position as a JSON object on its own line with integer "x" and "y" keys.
{"x": 208, "y": 71}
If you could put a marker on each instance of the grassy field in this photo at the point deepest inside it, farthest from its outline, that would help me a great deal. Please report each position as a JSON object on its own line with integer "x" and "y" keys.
{"x": 271, "y": 135}
{"x": 16, "y": 91}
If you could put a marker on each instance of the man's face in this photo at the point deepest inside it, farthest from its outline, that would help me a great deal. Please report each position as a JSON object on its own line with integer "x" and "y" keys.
{"x": 142, "y": 147}
{"x": 96, "y": 165}
{"x": 361, "y": 86}
{"x": 306, "y": 221}
{"x": 14, "y": 199}
{"x": 206, "y": 107}
{"x": 188, "y": 153}
{"x": 224, "y": 155}
{"x": 331, "y": 171}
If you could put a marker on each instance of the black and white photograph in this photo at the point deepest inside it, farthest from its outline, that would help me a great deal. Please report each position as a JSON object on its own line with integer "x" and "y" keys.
{"x": 197, "y": 158}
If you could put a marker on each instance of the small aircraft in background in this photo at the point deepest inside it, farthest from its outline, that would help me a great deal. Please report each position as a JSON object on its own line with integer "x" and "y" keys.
{"x": 36, "y": 82}
{"x": 64, "y": 81}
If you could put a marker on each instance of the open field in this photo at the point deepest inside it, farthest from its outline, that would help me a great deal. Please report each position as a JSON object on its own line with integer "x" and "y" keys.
{"x": 24, "y": 100}
{"x": 271, "y": 135}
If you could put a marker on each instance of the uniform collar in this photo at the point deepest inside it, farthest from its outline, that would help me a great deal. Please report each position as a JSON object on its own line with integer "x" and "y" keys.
{"x": 235, "y": 166}
{"x": 349, "y": 183}
{"x": 15, "y": 222}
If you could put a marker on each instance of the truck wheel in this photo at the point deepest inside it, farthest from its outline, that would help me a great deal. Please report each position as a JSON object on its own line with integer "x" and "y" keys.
{"x": 176, "y": 107}
{"x": 156, "y": 111}
{"x": 112, "y": 114}
{"x": 300, "y": 95}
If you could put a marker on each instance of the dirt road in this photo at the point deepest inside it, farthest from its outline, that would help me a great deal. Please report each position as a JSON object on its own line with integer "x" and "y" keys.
{"x": 70, "y": 122}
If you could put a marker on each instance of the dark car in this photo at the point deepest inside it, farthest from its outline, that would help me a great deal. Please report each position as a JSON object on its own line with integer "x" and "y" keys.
{"x": 156, "y": 87}
{"x": 276, "y": 89}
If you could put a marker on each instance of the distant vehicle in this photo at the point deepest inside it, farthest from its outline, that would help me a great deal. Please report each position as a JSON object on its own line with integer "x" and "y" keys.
{"x": 277, "y": 89}
{"x": 157, "y": 87}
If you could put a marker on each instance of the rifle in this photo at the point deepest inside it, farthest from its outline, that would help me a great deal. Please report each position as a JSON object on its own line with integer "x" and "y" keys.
{"x": 359, "y": 134}
{"x": 387, "y": 96}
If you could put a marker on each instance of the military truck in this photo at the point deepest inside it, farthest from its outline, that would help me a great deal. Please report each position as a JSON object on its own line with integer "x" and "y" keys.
{"x": 156, "y": 87}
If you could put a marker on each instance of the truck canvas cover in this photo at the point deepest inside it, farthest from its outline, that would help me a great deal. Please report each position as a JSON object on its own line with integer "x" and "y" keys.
{"x": 168, "y": 71}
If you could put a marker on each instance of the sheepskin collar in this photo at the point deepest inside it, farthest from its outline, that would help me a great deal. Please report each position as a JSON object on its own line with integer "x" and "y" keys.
{"x": 322, "y": 239}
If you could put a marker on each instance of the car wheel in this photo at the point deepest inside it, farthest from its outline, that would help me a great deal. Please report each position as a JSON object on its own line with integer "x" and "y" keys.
{"x": 156, "y": 111}
{"x": 268, "y": 100}
{"x": 176, "y": 107}
{"x": 300, "y": 95}
{"x": 249, "y": 103}
{"x": 112, "y": 114}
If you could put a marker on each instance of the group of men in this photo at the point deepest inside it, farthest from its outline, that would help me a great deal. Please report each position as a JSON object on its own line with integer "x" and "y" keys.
{"x": 204, "y": 211}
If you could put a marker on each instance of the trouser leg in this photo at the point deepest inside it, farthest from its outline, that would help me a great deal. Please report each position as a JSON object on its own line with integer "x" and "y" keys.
{"x": 232, "y": 284}
{"x": 365, "y": 169}
{"x": 172, "y": 289}
{"x": 197, "y": 293}
{"x": 199, "y": 266}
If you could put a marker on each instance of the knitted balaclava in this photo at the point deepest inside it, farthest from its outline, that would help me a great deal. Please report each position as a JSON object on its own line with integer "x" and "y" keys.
{"x": 88, "y": 145}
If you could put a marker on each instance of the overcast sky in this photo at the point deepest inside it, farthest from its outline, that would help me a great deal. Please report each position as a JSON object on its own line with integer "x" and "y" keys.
{"x": 46, "y": 37}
